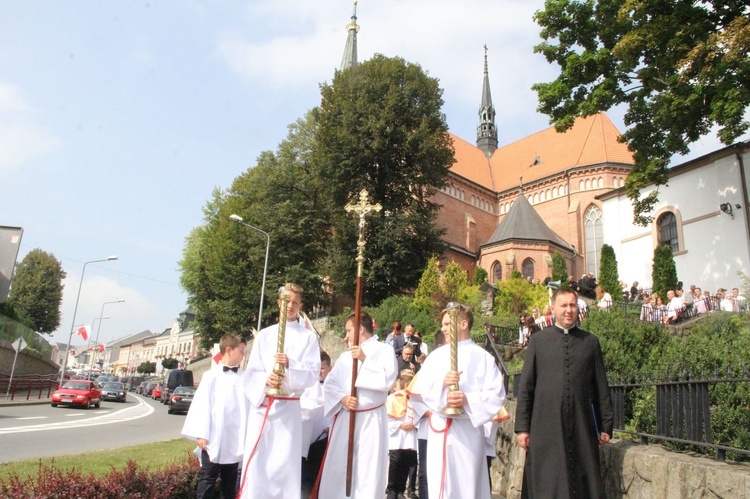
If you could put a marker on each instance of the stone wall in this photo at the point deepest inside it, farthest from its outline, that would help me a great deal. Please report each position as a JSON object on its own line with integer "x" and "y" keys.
{"x": 631, "y": 470}
{"x": 28, "y": 362}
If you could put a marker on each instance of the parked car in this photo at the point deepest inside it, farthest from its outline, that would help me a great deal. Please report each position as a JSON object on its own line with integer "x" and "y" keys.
{"x": 77, "y": 392}
{"x": 156, "y": 392}
{"x": 181, "y": 399}
{"x": 133, "y": 382}
{"x": 173, "y": 379}
{"x": 150, "y": 388}
{"x": 142, "y": 388}
{"x": 114, "y": 391}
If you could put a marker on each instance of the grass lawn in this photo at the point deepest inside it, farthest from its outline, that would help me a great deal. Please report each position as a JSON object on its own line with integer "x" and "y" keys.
{"x": 152, "y": 456}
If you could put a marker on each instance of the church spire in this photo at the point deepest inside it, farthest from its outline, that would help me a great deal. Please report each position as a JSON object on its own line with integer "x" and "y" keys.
{"x": 486, "y": 131}
{"x": 349, "y": 60}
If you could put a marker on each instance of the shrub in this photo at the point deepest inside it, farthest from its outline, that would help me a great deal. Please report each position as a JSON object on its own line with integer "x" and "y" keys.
{"x": 175, "y": 481}
{"x": 608, "y": 278}
{"x": 663, "y": 271}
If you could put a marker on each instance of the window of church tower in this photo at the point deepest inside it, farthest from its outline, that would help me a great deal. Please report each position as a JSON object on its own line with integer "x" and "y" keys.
{"x": 528, "y": 268}
{"x": 554, "y": 192}
{"x": 588, "y": 184}
{"x": 497, "y": 272}
{"x": 594, "y": 238}
{"x": 667, "y": 230}
{"x": 601, "y": 182}
{"x": 581, "y": 185}
{"x": 549, "y": 195}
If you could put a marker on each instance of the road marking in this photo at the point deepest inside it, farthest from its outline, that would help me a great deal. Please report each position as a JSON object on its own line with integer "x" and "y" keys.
{"x": 141, "y": 410}
{"x": 31, "y": 417}
{"x": 75, "y": 414}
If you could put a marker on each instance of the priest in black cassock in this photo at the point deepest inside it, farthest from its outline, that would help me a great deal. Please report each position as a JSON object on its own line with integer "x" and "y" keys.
{"x": 564, "y": 409}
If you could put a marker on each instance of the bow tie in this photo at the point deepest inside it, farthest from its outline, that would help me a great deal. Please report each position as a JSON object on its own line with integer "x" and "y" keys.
{"x": 233, "y": 369}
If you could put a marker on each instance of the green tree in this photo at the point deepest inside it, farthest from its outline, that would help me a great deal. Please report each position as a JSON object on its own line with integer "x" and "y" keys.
{"x": 608, "y": 277}
{"x": 36, "y": 292}
{"x": 679, "y": 67}
{"x": 560, "y": 269}
{"x": 455, "y": 278}
{"x": 663, "y": 271}
{"x": 516, "y": 296}
{"x": 480, "y": 276}
{"x": 223, "y": 262}
{"x": 427, "y": 296}
{"x": 170, "y": 363}
{"x": 146, "y": 368}
{"x": 380, "y": 128}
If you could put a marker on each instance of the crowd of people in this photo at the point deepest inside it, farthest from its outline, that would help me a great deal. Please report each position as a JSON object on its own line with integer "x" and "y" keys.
{"x": 281, "y": 427}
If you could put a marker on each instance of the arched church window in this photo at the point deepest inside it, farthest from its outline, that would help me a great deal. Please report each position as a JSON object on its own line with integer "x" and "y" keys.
{"x": 527, "y": 269}
{"x": 601, "y": 182}
{"x": 593, "y": 220}
{"x": 588, "y": 184}
{"x": 667, "y": 231}
{"x": 581, "y": 185}
{"x": 497, "y": 272}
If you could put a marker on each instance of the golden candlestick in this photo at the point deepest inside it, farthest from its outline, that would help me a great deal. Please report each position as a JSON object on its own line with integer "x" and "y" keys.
{"x": 278, "y": 369}
{"x": 453, "y": 309}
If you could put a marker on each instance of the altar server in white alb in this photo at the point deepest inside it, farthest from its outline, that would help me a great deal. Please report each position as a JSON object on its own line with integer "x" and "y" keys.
{"x": 216, "y": 420}
{"x": 457, "y": 466}
{"x": 376, "y": 373}
{"x": 273, "y": 450}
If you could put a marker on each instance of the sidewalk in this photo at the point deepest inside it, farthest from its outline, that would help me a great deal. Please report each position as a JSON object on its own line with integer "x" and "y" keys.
{"x": 19, "y": 398}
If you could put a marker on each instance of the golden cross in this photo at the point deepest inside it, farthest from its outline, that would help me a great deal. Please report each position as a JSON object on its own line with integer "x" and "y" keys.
{"x": 363, "y": 208}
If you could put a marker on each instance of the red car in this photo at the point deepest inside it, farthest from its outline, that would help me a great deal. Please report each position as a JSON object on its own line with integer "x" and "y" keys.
{"x": 77, "y": 392}
{"x": 156, "y": 392}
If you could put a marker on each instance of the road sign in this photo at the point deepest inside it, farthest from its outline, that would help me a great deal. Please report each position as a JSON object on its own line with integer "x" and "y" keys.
{"x": 19, "y": 344}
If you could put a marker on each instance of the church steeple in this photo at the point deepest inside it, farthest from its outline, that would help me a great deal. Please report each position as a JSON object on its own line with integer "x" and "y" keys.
{"x": 486, "y": 131}
{"x": 349, "y": 60}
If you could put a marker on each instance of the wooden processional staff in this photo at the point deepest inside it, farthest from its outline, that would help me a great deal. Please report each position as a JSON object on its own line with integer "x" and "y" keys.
{"x": 362, "y": 208}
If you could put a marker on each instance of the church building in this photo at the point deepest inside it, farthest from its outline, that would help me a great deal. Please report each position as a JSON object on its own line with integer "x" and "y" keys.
{"x": 510, "y": 207}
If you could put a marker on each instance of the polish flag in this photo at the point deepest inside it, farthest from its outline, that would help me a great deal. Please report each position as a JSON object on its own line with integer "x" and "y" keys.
{"x": 83, "y": 332}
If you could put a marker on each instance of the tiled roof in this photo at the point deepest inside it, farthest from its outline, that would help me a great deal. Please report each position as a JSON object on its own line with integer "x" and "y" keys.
{"x": 523, "y": 223}
{"x": 471, "y": 163}
{"x": 591, "y": 141}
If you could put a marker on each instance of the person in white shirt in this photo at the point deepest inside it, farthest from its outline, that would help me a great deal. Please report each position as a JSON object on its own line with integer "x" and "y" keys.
{"x": 217, "y": 418}
{"x": 462, "y": 471}
{"x": 376, "y": 373}
{"x": 673, "y": 307}
{"x": 402, "y": 437}
{"x": 272, "y": 462}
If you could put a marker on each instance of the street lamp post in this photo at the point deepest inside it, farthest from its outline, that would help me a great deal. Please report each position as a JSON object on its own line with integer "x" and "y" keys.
{"x": 88, "y": 348}
{"x": 239, "y": 220}
{"x": 75, "y": 312}
{"x": 96, "y": 342}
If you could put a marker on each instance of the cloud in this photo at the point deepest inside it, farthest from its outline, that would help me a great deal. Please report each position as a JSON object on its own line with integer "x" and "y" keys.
{"x": 21, "y": 138}
{"x": 98, "y": 289}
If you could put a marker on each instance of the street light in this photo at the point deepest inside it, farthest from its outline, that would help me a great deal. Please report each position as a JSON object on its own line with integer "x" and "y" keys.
{"x": 88, "y": 348}
{"x": 239, "y": 220}
{"x": 96, "y": 342}
{"x": 75, "y": 312}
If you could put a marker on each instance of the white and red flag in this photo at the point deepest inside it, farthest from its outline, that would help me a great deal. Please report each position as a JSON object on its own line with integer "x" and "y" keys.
{"x": 101, "y": 347}
{"x": 83, "y": 332}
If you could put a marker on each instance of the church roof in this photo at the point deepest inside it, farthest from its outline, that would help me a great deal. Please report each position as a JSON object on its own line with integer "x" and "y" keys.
{"x": 523, "y": 223}
{"x": 591, "y": 141}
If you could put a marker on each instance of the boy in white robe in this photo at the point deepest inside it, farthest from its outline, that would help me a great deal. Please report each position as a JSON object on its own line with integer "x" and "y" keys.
{"x": 457, "y": 467}
{"x": 216, "y": 420}
{"x": 315, "y": 427}
{"x": 273, "y": 450}
{"x": 376, "y": 374}
{"x": 402, "y": 439}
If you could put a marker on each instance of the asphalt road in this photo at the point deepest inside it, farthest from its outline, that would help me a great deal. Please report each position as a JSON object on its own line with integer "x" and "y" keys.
{"x": 34, "y": 431}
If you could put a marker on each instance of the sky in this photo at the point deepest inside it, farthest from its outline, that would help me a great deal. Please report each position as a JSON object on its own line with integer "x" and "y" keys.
{"x": 118, "y": 119}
